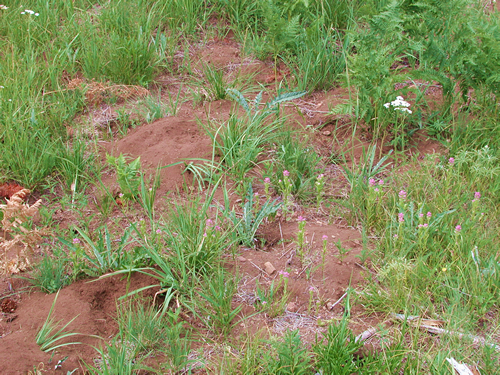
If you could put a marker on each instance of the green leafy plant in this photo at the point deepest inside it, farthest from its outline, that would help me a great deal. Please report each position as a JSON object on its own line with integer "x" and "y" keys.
{"x": 246, "y": 227}
{"x": 103, "y": 255}
{"x": 128, "y": 175}
{"x": 50, "y": 274}
{"x": 219, "y": 293}
{"x": 293, "y": 357}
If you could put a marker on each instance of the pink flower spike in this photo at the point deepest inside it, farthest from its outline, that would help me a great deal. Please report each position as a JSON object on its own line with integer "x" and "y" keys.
{"x": 76, "y": 241}
{"x": 371, "y": 182}
{"x": 458, "y": 228}
{"x": 267, "y": 180}
{"x": 210, "y": 223}
{"x": 286, "y": 173}
{"x": 300, "y": 218}
{"x": 284, "y": 274}
{"x": 420, "y": 215}
{"x": 429, "y": 214}
{"x": 451, "y": 161}
{"x": 401, "y": 217}
{"x": 325, "y": 237}
{"x": 426, "y": 225}
{"x": 477, "y": 195}
{"x": 158, "y": 231}
{"x": 402, "y": 194}
{"x": 381, "y": 182}
{"x": 395, "y": 236}
{"x": 376, "y": 190}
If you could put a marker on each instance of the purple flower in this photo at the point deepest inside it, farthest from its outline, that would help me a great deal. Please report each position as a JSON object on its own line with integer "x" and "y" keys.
{"x": 402, "y": 194}
{"x": 477, "y": 195}
{"x": 286, "y": 173}
{"x": 381, "y": 182}
{"x": 458, "y": 228}
{"x": 76, "y": 241}
{"x": 420, "y": 215}
{"x": 401, "y": 217}
{"x": 158, "y": 231}
{"x": 301, "y": 218}
{"x": 267, "y": 180}
{"x": 426, "y": 225}
{"x": 376, "y": 190}
{"x": 210, "y": 223}
{"x": 395, "y": 236}
{"x": 325, "y": 237}
{"x": 217, "y": 228}
{"x": 284, "y": 274}
{"x": 120, "y": 195}
{"x": 371, "y": 182}
{"x": 451, "y": 161}
{"x": 429, "y": 214}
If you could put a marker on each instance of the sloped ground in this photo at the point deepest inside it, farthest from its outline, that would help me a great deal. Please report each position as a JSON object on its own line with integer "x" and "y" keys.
{"x": 315, "y": 297}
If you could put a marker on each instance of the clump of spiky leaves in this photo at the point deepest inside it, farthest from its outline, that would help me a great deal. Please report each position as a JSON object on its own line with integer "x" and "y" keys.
{"x": 16, "y": 246}
{"x": 217, "y": 303}
{"x": 252, "y": 216}
{"x": 48, "y": 337}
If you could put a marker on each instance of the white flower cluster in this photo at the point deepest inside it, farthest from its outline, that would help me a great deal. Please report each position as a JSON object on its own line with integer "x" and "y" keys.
{"x": 399, "y": 105}
{"x": 3, "y": 7}
{"x": 30, "y": 12}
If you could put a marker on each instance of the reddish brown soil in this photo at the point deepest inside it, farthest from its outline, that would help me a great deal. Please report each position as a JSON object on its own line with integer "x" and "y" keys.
{"x": 174, "y": 139}
{"x": 92, "y": 303}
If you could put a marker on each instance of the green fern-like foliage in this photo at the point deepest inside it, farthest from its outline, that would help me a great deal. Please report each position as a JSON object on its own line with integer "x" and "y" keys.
{"x": 127, "y": 175}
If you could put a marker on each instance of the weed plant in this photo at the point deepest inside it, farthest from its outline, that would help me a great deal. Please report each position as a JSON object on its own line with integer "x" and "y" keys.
{"x": 253, "y": 215}
{"x": 217, "y": 296}
{"x": 51, "y": 274}
{"x": 48, "y": 338}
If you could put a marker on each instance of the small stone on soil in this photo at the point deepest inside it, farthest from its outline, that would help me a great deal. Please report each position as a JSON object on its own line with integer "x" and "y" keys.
{"x": 269, "y": 268}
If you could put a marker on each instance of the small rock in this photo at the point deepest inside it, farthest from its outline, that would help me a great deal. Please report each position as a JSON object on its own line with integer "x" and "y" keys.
{"x": 269, "y": 268}
{"x": 326, "y": 133}
{"x": 292, "y": 306}
{"x": 242, "y": 259}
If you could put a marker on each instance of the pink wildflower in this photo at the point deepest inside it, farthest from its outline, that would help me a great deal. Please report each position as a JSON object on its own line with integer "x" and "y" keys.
{"x": 286, "y": 173}
{"x": 401, "y": 217}
{"x": 284, "y": 274}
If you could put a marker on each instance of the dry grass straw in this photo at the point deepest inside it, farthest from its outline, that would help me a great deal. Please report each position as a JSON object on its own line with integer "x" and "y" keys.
{"x": 97, "y": 92}
{"x": 17, "y": 243}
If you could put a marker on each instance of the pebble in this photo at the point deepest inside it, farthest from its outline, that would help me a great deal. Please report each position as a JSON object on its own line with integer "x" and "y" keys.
{"x": 269, "y": 268}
